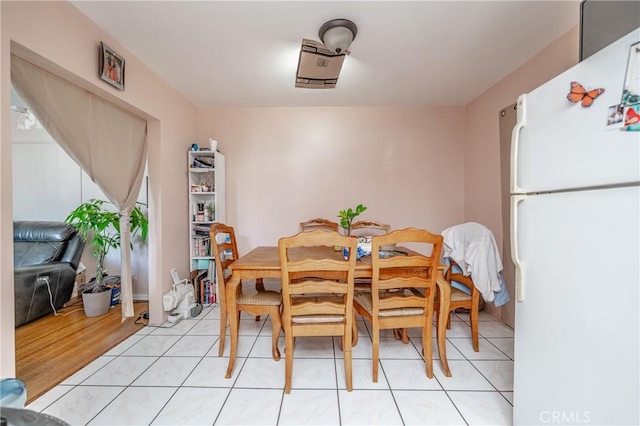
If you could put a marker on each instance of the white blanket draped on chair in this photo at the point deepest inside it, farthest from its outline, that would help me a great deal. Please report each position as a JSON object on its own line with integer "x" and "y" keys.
{"x": 473, "y": 247}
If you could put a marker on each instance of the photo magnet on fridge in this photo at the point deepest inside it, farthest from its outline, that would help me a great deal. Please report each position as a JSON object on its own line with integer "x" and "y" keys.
{"x": 632, "y": 118}
{"x": 631, "y": 91}
{"x": 615, "y": 117}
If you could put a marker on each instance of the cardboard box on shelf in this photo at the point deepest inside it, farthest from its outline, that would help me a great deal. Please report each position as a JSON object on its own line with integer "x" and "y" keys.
{"x": 81, "y": 278}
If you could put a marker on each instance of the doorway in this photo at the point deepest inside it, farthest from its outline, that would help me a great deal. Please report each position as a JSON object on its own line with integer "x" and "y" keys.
{"x": 48, "y": 185}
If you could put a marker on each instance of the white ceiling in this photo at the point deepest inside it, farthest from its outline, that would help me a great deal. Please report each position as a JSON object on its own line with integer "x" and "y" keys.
{"x": 245, "y": 53}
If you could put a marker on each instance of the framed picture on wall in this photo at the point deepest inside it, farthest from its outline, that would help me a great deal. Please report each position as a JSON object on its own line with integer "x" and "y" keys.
{"x": 111, "y": 66}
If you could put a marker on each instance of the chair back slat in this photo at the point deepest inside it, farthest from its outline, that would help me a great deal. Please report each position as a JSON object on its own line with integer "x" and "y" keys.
{"x": 225, "y": 247}
{"x": 316, "y": 308}
{"x": 404, "y": 282}
{"x": 369, "y": 228}
{"x": 318, "y": 265}
{"x": 459, "y": 277}
{"x": 317, "y": 224}
{"x": 399, "y": 302}
{"x": 318, "y": 286}
{"x": 401, "y": 261}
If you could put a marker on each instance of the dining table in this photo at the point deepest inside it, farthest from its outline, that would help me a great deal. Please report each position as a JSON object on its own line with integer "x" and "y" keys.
{"x": 264, "y": 262}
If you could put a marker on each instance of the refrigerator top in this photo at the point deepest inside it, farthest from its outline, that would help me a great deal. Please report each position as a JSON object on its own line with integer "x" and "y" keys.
{"x": 559, "y": 145}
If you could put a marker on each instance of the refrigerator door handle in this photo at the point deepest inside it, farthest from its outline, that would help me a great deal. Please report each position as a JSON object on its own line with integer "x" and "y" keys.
{"x": 520, "y": 284}
{"x": 521, "y": 109}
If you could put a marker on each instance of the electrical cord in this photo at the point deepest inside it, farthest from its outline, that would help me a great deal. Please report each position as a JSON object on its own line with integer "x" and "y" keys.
{"x": 70, "y": 312}
{"x": 144, "y": 315}
{"x": 173, "y": 324}
{"x": 45, "y": 278}
{"x": 164, "y": 326}
{"x": 70, "y": 305}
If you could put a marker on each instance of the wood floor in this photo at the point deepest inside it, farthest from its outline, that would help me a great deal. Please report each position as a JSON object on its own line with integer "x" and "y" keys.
{"x": 53, "y": 348}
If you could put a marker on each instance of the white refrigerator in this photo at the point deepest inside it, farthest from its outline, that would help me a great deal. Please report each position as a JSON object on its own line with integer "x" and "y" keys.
{"x": 575, "y": 241}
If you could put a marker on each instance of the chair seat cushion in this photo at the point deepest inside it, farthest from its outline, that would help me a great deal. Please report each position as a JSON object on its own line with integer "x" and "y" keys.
{"x": 458, "y": 295}
{"x": 317, "y": 319}
{"x": 260, "y": 298}
{"x": 364, "y": 300}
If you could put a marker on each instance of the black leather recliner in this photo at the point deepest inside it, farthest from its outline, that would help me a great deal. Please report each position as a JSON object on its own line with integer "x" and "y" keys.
{"x": 45, "y": 258}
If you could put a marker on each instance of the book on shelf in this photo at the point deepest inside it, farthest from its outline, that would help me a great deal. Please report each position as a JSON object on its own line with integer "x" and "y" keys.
{"x": 213, "y": 294}
{"x": 210, "y": 295}
{"x": 206, "y": 291}
{"x": 201, "y": 229}
{"x": 205, "y": 163}
{"x": 201, "y": 246}
{"x": 198, "y": 278}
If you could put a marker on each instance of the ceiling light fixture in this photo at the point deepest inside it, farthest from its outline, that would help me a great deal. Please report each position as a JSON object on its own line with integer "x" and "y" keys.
{"x": 338, "y": 34}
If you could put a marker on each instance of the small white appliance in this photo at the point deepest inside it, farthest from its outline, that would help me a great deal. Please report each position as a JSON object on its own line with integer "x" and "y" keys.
{"x": 180, "y": 300}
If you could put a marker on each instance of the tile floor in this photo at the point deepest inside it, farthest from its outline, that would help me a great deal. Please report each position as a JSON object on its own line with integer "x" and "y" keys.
{"x": 173, "y": 376}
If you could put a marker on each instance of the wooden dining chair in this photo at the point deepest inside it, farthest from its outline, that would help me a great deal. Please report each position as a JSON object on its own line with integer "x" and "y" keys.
{"x": 318, "y": 223}
{"x": 225, "y": 251}
{"x": 317, "y": 293}
{"x": 397, "y": 301}
{"x": 460, "y": 299}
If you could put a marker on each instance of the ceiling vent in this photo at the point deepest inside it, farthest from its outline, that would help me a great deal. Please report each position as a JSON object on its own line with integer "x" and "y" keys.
{"x": 320, "y": 64}
{"x": 318, "y": 67}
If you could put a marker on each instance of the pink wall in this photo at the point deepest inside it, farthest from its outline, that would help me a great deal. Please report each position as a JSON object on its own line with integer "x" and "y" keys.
{"x": 56, "y": 36}
{"x": 482, "y": 156}
{"x": 287, "y": 165}
{"x": 482, "y": 148}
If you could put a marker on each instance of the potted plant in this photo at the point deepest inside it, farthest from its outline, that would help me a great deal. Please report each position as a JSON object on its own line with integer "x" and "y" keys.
{"x": 347, "y": 216}
{"x": 93, "y": 218}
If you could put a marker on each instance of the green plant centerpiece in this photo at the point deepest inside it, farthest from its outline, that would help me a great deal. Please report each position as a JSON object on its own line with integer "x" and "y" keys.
{"x": 95, "y": 219}
{"x": 347, "y": 216}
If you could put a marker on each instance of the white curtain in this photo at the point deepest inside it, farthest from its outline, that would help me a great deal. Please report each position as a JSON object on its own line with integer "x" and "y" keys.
{"x": 109, "y": 143}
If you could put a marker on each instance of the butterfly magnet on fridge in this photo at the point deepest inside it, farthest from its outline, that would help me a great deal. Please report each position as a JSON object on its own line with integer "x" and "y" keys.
{"x": 579, "y": 94}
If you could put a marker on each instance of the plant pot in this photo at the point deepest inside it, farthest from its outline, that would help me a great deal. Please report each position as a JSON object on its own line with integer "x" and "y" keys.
{"x": 96, "y": 304}
{"x": 364, "y": 248}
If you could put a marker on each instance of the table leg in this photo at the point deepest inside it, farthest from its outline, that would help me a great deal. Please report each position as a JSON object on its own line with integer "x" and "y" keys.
{"x": 232, "y": 316}
{"x": 444, "y": 302}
